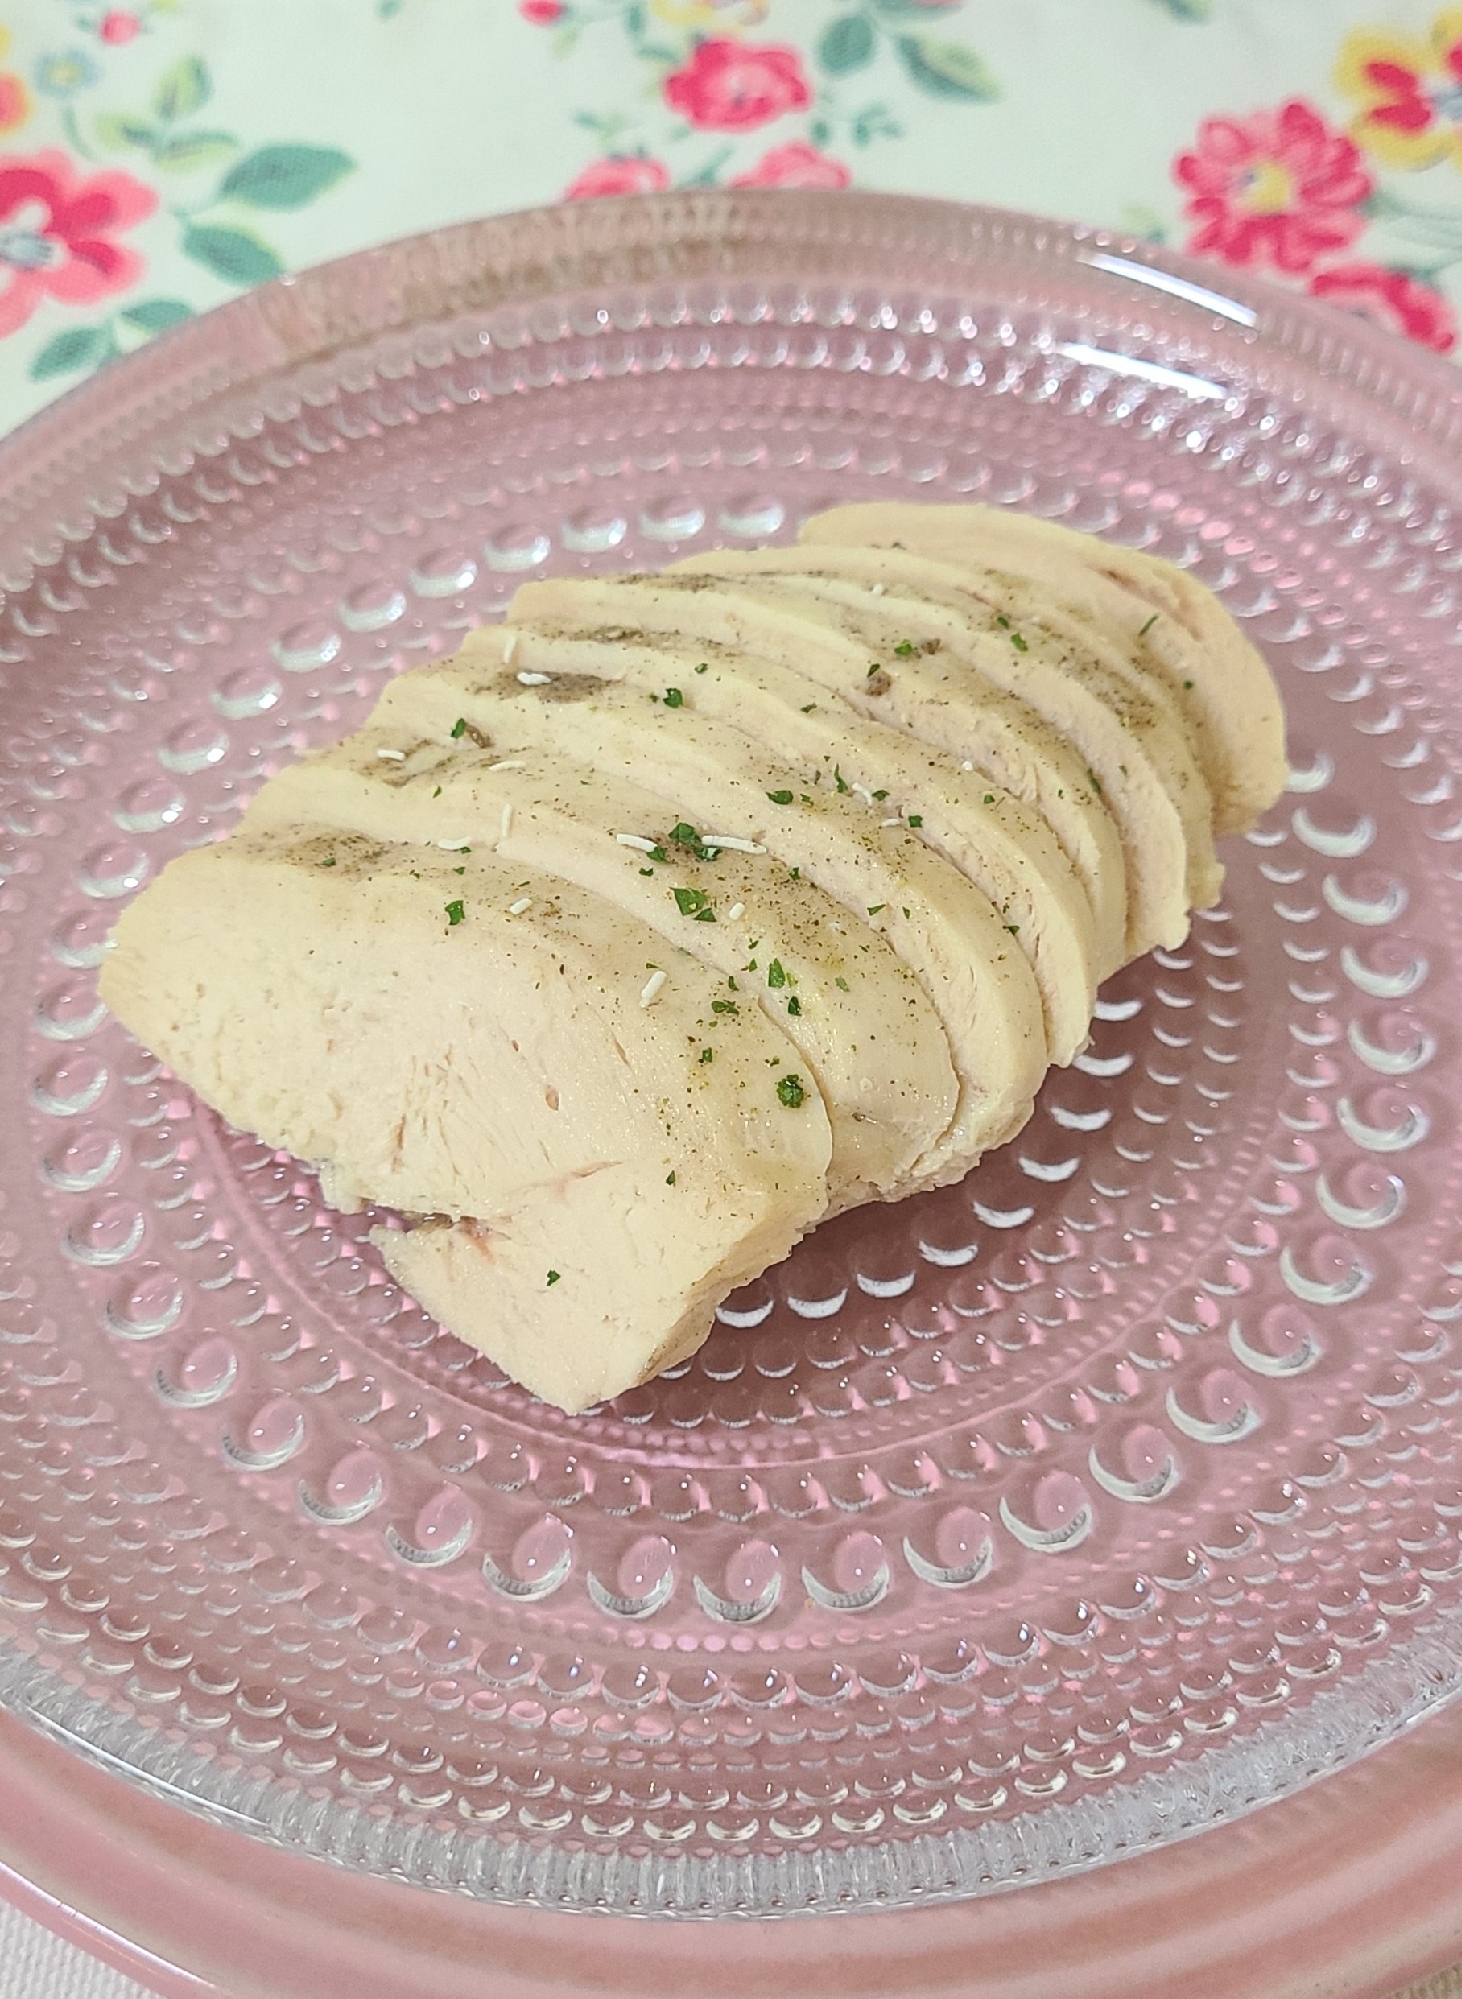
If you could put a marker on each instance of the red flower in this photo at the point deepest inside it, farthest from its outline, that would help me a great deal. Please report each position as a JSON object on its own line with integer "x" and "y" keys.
{"x": 631, "y": 175}
{"x": 796, "y": 165}
{"x": 56, "y": 230}
{"x": 1392, "y": 299}
{"x": 1279, "y": 188}
{"x": 542, "y": 13}
{"x": 14, "y": 103}
{"x": 729, "y": 86}
{"x": 119, "y": 27}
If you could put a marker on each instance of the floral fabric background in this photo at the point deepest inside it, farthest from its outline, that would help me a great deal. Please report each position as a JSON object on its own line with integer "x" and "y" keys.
{"x": 157, "y": 157}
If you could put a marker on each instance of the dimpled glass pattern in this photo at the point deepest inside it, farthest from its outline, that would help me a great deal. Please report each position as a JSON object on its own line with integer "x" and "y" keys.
{"x": 1003, "y": 1531}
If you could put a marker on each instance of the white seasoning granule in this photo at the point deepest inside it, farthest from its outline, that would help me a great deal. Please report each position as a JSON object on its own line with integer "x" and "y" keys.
{"x": 509, "y": 763}
{"x": 966, "y": 765}
{"x": 534, "y": 679}
{"x": 877, "y": 590}
{"x": 455, "y": 846}
{"x": 517, "y": 908}
{"x": 862, "y": 791}
{"x": 732, "y": 843}
{"x": 392, "y": 756}
{"x": 653, "y": 987}
{"x": 510, "y": 646}
{"x": 735, "y": 913}
{"x": 891, "y": 822}
{"x": 507, "y": 825}
{"x": 636, "y": 840}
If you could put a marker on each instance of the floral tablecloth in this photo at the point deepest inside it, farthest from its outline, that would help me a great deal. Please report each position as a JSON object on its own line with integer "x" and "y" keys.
{"x": 157, "y": 158}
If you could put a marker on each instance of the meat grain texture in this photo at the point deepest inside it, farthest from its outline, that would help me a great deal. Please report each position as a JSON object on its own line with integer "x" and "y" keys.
{"x": 679, "y": 912}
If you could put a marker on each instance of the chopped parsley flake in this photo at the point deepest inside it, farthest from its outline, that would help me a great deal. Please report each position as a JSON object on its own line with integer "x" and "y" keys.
{"x": 459, "y": 728}
{"x": 916, "y": 818}
{"x": 455, "y": 913}
{"x": 438, "y": 792}
{"x": 708, "y": 1055}
{"x": 330, "y": 863}
{"x": 724, "y": 1006}
{"x": 553, "y": 1277}
{"x": 704, "y": 667}
{"x": 880, "y": 796}
{"x": 670, "y": 1179}
{"x": 1013, "y": 928}
{"x": 1096, "y": 783}
{"x": 809, "y": 709}
{"x": 776, "y": 973}
{"x": 906, "y": 648}
{"x": 1187, "y": 683}
{"x": 794, "y": 1005}
{"x": 877, "y": 666}
{"x": 874, "y": 908}
{"x": 1148, "y": 626}
{"x": 989, "y": 798}
{"x": 455, "y": 871}
{"x": 1018, "y": 642}
{"x": 842, "y": 985}
{"x": 674, "y": 698}
{"x": 691, "y": 901}
{"x": 795, "y": 873}
{"x": 780, "y": 797}
{"x": 839, "y": 780}
{"x": 733, "y": 985}
{"x": 647, "y": 871}
{"x": 791, "y": 1092}
{"x": 1002, "y": 621}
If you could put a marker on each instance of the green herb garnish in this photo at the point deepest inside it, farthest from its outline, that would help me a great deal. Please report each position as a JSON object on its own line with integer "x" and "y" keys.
{"x": 459, "y": 727}
{"x": 780, "y": 797}
{"x": 1148, "y": 626}
{"x": 553, "y": 1277}
{"x": 790, "y": 1091}
{"x": 455, "y": 913}
{"x": 674, "y": 698}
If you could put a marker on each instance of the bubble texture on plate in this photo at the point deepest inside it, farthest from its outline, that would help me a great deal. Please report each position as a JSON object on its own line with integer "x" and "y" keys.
{"x": 1006, "y": 1530}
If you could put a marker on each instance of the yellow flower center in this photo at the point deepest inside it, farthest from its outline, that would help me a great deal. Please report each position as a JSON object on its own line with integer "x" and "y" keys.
{"x": 1270, "y": 189}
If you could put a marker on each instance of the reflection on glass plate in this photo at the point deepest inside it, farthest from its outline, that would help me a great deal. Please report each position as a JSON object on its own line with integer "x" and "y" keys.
{"x": 1005, "y": 1530}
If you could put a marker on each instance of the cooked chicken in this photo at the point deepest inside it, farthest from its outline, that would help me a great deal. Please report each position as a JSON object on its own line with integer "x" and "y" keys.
{"x": 680, "y": 912}
{"x": 1159, "y": 615}
{"x": 474, "y": 1045}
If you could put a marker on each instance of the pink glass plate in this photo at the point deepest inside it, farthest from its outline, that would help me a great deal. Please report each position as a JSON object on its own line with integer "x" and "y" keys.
{"x": 998, "y": 1534}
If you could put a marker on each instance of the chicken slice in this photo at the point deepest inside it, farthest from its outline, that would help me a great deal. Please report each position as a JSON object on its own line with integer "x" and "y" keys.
{"x": 1165, "y": 618}
{"x": 1134, "y": 751}
{"x": 862, "y": 1024}
{"x": 473, "y": 1046}
{"x": 870, "y": 661}
{"x": 1004, "y": 847}
{"x": 945, "y": 931}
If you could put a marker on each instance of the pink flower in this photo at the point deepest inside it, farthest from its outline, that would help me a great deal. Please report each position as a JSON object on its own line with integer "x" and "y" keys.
{"x": 730, "y": 86}
{"x": 796, "y": 165}
{"x": 1279, "y": 188}
{"x": 119, "y": 27}
{"x": 56, "y": 233}
{"x": 1392, "y": 299}
{"x": 630, "y": 175}
{"x": 542, "y": 13}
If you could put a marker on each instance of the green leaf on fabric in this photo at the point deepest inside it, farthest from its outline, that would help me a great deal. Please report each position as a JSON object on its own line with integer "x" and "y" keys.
{"x": 231, "y": 254}
{"x": 182, "y": 89}
{"x": 77, "y": 347}
{"x": 847, "y": 44}
{"x": 182, "y": 152}
{"x": 947, "y": 69}
{"x": 285, "y": 176}
{"x": 155, "y": 315}
{"x": 115, "y": 132}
